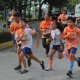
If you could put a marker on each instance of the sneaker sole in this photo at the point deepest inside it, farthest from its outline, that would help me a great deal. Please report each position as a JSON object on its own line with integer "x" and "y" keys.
{"x": 23, "y": 72}
{"x": 48, "y": 69}
{"x": 70, "y": 76}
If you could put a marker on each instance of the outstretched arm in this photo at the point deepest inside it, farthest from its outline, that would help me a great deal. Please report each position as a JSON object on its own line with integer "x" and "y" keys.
{"x": 33, "y": 32}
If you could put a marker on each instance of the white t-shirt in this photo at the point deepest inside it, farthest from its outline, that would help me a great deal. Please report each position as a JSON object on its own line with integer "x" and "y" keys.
{"x": 28, "y": 35}
{"x": 56, "y": 40}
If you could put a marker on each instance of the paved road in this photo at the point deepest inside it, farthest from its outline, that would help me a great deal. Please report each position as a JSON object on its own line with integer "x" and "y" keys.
{"x": 8, "y": 60}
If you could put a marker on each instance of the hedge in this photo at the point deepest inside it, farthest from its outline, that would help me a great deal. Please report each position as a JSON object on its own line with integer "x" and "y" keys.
{"x": 5, "y": 36}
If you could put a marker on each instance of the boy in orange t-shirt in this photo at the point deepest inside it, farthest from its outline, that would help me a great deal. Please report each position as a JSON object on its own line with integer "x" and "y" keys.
{"x": 71, "y": 36}
{"x": 13, "y": 28}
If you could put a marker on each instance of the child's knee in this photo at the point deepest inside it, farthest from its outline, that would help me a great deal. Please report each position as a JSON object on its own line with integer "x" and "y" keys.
{"x": 60, "y": 56}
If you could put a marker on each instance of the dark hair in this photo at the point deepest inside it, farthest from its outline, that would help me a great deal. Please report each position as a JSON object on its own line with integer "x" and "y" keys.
{"x": 70, "y": 18}
{"x": 23, "y": 19}
{"x": 17, "y": 14}
{"x": 64, "y": 11}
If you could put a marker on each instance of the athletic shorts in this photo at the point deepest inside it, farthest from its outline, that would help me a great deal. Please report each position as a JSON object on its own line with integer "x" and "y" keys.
{"x": 27, "y": 50}
{"x": 57, "y": 48}
{"x": 72, "y": 50}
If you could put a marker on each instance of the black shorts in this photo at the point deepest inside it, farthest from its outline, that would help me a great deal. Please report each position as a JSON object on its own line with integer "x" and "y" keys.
{"x": 57, "y": 48}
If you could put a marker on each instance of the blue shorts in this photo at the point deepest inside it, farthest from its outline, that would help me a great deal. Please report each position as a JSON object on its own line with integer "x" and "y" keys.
{"x": 13, "y": 39}
{"x": 57, "y": 48}
{"x": 72, "y": 50}
{"x": 27, "y": 50}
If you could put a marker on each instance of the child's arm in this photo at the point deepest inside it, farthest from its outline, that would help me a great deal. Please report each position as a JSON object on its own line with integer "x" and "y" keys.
{"x": 33, "y": 32}
{"x": 19, "y": 39}
{"x": 37, "y": 39}
{"x": 64, "y": 36}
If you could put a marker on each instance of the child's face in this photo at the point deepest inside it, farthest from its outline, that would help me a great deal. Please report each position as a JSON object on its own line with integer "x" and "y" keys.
{"x": 53, "y": 25}
{"x": 64, "y": 12}
{"x": 16, "y": 19}
{"x": 22, "y": 23}
{"x": 70, "y": 23}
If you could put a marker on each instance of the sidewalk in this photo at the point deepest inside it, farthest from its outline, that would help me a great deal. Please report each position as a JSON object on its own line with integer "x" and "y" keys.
{"x": 9, "y": 60}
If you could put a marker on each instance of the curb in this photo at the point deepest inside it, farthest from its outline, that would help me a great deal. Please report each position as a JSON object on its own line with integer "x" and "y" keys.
{"x": 6, "y": 44}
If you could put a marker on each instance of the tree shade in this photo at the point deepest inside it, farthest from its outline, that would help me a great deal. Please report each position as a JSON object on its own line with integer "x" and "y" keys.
{"x": 55, "y": 2}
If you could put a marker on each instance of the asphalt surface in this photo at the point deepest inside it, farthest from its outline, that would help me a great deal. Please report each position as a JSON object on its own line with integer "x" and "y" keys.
{"x": 9, "y": 60}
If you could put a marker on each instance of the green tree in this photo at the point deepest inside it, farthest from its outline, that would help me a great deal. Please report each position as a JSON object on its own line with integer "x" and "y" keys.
{"x": 1, "y": 5}
{"x": 71, "y": 3}
{"x": 16, "y": 4}
{"x": 56, "y": 3}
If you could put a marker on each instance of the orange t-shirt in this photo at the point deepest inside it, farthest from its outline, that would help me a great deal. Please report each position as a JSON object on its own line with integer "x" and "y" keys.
{"x": 45, "y": 24}
{"x": 19, "y": 33}
{"x": 45, "y": 27}
{"x": 73, "y": 37}
{"x": 14, "y": 27}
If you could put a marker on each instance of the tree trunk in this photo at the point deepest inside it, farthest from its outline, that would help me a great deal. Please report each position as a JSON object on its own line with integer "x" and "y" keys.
{"x": 40, "y": 12}
{"x": 50, "y": 8}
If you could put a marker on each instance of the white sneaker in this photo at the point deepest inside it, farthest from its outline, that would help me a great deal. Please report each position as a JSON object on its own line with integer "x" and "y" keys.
{"x": 49, "y": 69}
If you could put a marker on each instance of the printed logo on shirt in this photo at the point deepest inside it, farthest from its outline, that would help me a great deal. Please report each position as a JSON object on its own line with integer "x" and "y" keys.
{"x": 72, "y": 35}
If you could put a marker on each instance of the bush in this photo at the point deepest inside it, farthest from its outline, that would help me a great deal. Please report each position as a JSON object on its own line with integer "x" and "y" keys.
{"x": 5, "y": 36}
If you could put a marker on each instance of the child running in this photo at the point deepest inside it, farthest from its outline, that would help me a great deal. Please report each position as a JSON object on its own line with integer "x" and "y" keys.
{"x": 25, "y": 36}
{"x": 71, "y": 36}
{"x": 56, "y": 45}
{"x": 13, "y": 28}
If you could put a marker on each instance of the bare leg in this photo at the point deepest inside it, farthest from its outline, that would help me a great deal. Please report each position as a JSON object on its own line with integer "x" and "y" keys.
{"x": 35, "y": 58}
{"x": 19, "y": 52}
{"x": 52, "y": 52}
{"x": 23, "y": 60}
{"x": 60, "y": 55}
{"x": 19, "y": 58}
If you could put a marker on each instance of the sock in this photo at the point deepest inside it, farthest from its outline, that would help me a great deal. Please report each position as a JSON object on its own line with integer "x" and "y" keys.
{"x": 25, "y": 68}
{"x": 50, "y": 64}
{"x": 71, "y": 66}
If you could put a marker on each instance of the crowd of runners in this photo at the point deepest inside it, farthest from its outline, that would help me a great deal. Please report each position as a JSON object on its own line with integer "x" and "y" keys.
{"x": 62, "y": 33}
